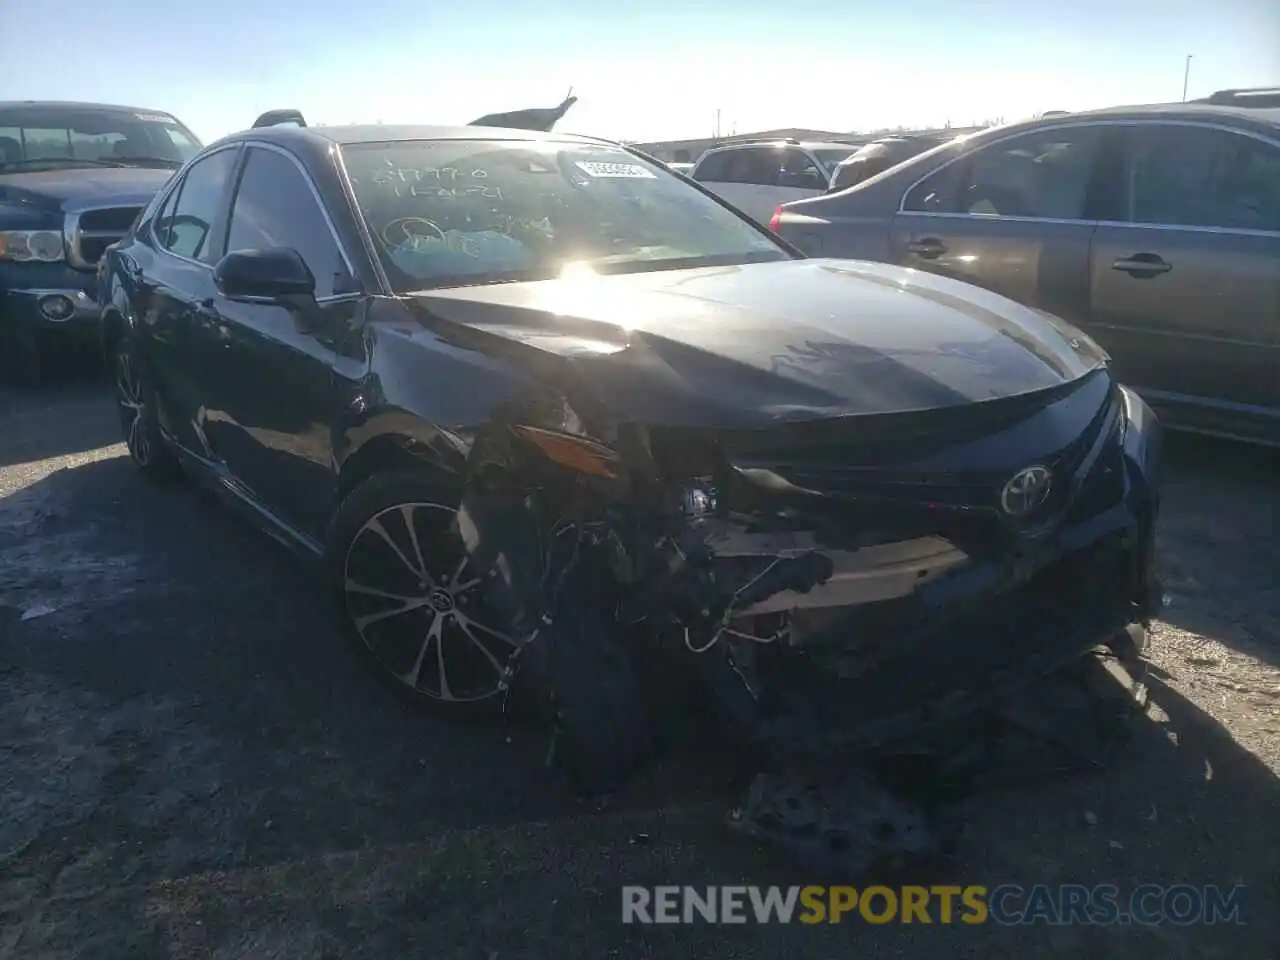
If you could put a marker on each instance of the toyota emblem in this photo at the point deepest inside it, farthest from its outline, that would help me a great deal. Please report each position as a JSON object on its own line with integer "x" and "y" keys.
{"x": 1026, "y": 491}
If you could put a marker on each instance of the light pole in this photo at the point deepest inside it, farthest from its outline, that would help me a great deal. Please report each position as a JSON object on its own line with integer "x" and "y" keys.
{"x": 1186, "y": 75}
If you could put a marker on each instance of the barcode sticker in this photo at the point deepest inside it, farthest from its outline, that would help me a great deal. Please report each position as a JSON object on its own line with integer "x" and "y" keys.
{"x": 628, "y": 171}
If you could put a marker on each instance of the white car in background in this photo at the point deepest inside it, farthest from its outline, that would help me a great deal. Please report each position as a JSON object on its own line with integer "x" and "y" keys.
{"x": 758, "y": 175}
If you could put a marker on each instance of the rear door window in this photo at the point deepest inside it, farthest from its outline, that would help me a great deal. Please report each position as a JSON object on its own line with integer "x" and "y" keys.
{"x": 755, "y": 165}
{"x": 191, "y": 231}
{"x": 798, "y": 169}
{"x": 714, "y": 167}
{"x": 1041, "y": 175}
{"x": 1202, "y": 177}
{"x": 160, "y": 225}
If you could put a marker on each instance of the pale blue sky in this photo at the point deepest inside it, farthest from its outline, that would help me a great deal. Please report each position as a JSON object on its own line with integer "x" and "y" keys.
{"x": 642, "y": 70}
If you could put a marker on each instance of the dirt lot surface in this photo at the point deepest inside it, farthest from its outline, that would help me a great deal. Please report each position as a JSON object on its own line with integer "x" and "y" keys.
{"x": 191, "y": 765}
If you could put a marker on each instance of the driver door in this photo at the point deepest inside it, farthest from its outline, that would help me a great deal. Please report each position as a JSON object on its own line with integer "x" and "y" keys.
{"x": 275, "y": 383}
{"x": 187, "y": 237}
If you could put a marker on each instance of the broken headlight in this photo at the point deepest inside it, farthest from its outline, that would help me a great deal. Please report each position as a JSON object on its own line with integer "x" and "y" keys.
{"x": 573, "y": 452}
{"x": 700, "y": 498}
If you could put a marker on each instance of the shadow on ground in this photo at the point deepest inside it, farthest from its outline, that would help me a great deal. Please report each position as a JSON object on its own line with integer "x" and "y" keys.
{"x": 72, "y": 414}
{"x": 1219, "y": 542}
{"x": 191, "y": 764}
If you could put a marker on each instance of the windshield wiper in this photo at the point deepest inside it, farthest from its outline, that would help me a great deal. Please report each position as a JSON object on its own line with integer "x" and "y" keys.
{"x": 163, "y": 161}
{"x": 33, "y": 161}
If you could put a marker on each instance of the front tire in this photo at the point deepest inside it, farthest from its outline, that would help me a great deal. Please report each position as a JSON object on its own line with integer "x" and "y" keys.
{"x": 136, "y": 403}
{"x": 410, "y": 597}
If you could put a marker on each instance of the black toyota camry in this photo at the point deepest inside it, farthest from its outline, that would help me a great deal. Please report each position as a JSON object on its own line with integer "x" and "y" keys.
{"x": 548, "y": 415}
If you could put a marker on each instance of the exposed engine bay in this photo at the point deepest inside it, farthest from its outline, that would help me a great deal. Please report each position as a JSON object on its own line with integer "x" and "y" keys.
{"x": 818, "y": 609}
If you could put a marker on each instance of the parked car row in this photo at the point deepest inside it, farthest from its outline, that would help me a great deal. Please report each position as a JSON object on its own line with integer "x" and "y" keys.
{"x": 1156, "y": 229}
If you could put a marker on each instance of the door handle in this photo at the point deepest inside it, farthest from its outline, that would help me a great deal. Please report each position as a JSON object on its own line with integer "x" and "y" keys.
{"x": 1142, "y": 265}
{"x": 928, "y": 248}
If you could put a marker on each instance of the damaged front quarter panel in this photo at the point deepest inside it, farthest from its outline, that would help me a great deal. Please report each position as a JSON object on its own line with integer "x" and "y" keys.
{"x": 819, "y": 623}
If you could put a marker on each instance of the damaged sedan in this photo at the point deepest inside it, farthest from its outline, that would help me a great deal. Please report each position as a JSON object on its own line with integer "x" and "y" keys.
{"x": 561, "y": 428}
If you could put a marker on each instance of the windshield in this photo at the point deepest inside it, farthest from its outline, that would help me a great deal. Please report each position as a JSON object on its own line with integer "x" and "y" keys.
{"x": 33, "y": 138}
{"x": 460, "y": 212}
{"x": 830, "y": 157}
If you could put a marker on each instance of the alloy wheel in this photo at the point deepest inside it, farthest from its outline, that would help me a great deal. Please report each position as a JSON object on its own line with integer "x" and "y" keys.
{"x": 132, "y": 407}
{"x": 413, "y": 597}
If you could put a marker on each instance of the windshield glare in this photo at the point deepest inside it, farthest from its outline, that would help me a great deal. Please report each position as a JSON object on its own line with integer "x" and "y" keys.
{"x": 459, "y": 212}
{"x": 29, "y": 135}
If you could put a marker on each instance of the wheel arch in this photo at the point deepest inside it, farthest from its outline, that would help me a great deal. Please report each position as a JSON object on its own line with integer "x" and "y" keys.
{"x": 397, "y": 442}
{"x": 114, "y": 327}
{"x": 116, "y": 315}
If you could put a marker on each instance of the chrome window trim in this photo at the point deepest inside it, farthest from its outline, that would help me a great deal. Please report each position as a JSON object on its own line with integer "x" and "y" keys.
{"x": 272, "y": 302}
{"x": 1227, "y": 231}
{"x": 179, "y": 181}
{"x": 366, "y": 237}
{"x": 1086, "y": 124}
{"x": 993, "y": 218}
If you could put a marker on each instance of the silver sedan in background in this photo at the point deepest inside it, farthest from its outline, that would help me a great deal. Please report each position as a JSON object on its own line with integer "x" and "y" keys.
{"x": 1156, "y": 229}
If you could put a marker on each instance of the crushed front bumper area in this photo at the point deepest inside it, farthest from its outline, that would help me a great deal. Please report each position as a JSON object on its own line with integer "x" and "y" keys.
{"x": 44, "y": 309}
{"x": 892, "y": 631}
{"x": 955, "y": 663}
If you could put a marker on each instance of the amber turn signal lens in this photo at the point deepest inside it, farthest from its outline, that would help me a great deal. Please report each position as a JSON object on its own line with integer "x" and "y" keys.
{"x": 576, "y": 453}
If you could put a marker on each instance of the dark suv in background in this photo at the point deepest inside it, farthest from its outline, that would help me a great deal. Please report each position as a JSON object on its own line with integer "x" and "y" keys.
{"x": 1156, "y": 229}
{"x": 878, "y": 156}
{"x": 73, "y": 176}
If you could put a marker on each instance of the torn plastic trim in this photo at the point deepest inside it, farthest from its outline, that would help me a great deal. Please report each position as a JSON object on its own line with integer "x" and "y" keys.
{"x": 868, "y": 575}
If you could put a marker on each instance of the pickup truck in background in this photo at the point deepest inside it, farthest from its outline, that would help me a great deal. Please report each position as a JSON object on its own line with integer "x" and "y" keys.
{"x": 73, "y": 176}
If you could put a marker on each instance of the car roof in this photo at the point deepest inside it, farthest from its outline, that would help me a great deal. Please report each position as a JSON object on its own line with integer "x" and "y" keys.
{"x": 380, "y": 133}
{"x": 782, "y": 142}
{"x": 1202, "y": 112}
{"x": 1181, "y": 110}
{"x": 79, "y": 105}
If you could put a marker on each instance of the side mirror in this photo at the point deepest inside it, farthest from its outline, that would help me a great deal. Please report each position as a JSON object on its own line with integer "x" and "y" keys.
{"x": 274, "y": 274}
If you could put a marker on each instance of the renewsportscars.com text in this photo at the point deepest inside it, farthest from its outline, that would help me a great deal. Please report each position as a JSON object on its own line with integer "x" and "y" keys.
{"x": 1006, "y": 904}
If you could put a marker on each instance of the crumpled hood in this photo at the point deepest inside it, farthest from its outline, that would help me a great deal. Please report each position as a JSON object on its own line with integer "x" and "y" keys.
{"x": 59, "y": 188}
{"x": 791, "y": 340}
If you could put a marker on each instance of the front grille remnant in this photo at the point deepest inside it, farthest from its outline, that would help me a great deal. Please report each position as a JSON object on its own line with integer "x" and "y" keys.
{"x": 90, "y": 232}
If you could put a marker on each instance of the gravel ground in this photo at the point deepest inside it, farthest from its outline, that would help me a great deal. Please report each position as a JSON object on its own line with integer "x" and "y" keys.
{"x": 191, "y": 765}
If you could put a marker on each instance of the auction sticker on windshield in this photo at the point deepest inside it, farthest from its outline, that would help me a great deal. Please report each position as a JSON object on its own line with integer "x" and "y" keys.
{"x": 601, "y": 168}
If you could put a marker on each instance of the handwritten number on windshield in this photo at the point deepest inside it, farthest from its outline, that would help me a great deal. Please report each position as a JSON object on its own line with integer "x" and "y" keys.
{"x": 393, "y": 174}
{"x": 447, "y": 193}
